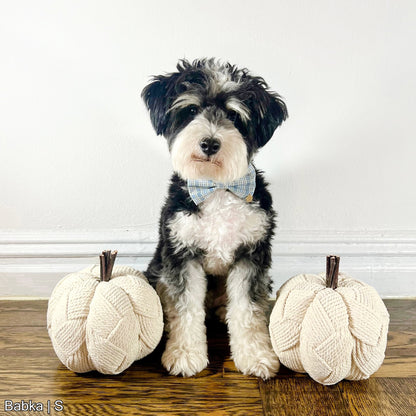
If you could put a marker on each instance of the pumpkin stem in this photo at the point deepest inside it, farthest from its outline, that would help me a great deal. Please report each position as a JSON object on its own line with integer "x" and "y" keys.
{"x": 332, "y": 267}
{"x": 107, "y": 260}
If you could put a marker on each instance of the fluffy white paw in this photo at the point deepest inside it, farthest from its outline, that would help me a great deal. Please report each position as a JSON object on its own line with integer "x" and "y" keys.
{"x": 186, "y": 361}
{"x": 256, "y": 362}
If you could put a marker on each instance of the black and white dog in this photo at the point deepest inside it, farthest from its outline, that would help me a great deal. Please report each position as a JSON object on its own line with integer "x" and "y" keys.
{"x": 217, "y": 222}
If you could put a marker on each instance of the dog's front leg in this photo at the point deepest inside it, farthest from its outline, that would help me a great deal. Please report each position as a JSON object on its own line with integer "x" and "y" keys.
{"x": 183, "y": 296}
{"x": 247, "y": 291}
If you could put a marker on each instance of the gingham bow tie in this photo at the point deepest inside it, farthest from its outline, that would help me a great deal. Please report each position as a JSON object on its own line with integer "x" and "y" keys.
{"x": 244, "y": 187}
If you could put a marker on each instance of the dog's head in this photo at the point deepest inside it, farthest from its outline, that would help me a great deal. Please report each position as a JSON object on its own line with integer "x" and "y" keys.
{"x": 214, "y": 117}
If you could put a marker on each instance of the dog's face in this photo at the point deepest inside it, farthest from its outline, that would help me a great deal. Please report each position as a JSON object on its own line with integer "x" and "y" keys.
{"x": 214, "y": 117}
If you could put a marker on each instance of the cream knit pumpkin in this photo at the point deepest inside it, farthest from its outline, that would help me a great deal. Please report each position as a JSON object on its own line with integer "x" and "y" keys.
{"x": 104, "y": 325}
{"x": 331, "y": 334}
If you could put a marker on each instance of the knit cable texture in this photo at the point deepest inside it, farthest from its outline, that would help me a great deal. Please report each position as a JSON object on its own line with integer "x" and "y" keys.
{"x": 330, "y": 334}
{"x": 104, "y": 326}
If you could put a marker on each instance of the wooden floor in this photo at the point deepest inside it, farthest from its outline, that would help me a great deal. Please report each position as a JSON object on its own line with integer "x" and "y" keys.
{"x": 29, "y": 370}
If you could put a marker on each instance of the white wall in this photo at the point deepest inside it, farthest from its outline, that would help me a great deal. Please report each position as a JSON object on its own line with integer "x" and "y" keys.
{"x": 77, "y": 151}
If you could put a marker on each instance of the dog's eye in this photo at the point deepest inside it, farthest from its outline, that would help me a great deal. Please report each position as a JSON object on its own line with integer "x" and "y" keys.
{"x": 232, "y": 115}
{"x": 193, "y": 109}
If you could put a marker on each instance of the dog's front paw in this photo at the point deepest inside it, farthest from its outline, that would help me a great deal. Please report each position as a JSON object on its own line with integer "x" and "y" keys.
{"x": 261, "y": 362}
{"x": 184, "y": 360}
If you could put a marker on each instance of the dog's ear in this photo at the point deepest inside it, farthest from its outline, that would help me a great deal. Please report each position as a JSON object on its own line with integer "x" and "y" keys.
{"x": 268, "y": 110}
{"x": 276, "y": 113}
{"x": 158, "y": 97}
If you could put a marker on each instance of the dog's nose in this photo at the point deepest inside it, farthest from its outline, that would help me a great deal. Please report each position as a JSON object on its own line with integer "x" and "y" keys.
{"x": 210, "y": 146}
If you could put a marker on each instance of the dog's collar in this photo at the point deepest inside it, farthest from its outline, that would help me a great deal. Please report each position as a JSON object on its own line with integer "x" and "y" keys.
{"x": 243, "y": 187}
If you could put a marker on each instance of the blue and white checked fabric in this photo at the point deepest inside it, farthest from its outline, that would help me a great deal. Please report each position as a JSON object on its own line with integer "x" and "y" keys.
{"x": 200, "y": 189}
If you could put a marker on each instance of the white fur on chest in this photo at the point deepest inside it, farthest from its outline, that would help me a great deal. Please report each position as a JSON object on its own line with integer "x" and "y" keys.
{"x": 224, "y": 223}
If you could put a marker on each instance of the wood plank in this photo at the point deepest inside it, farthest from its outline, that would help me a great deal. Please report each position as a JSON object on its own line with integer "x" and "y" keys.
{"x": 380, "y": 396}
{"x": 402, "y": 314}
{"x": 23, "y": 313}
{"x": 295, "y": 396}
{"x": 204, "y": 395}
{"x": 400, "y": 360}
{"x": 139, "y": 407}
{"x": 372, "y": 397}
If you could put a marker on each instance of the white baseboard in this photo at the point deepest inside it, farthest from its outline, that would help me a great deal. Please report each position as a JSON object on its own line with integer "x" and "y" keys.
{"x": 31, "y": 263}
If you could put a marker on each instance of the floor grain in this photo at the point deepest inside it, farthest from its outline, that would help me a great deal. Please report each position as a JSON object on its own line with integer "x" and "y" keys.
{"x": 30, "y": 370}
